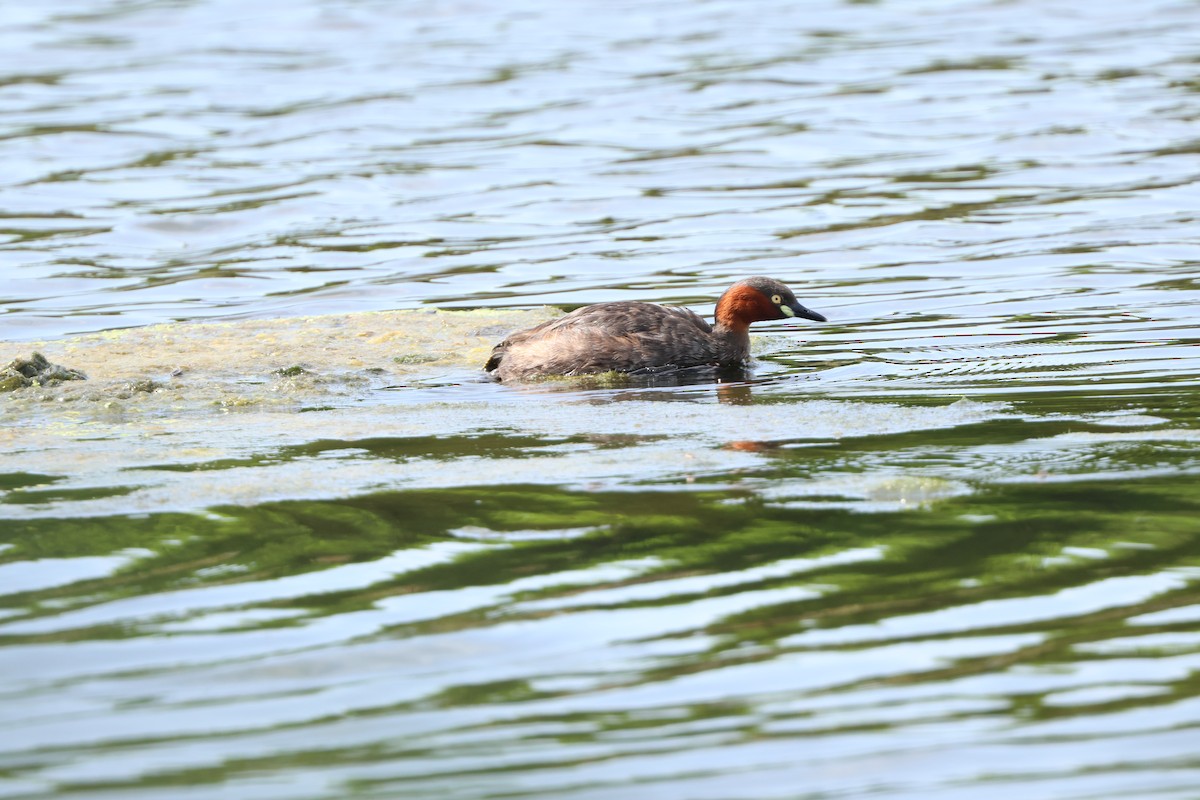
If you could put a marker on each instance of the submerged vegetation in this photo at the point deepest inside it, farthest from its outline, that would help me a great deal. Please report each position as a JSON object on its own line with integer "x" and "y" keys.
{"x": 35, "y": 371}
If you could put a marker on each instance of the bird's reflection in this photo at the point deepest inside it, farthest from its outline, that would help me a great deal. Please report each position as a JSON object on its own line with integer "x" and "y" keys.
{"x": 732, "y": 384}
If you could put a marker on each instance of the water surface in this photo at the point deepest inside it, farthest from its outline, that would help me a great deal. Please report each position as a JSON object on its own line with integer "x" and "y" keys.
{"x": 943, "y": 546}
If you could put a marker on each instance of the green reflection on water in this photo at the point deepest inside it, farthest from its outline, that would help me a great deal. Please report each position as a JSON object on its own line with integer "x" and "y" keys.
{"x": 1006, "y": 540}
{"x": 977, "y": 574}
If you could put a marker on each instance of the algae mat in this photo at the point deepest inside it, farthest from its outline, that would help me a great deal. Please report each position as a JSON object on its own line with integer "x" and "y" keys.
{"x": 268, "y": 361}
{"x": 191, "y": 417}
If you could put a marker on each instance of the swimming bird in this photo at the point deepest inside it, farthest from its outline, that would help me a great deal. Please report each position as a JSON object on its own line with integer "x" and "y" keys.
{"x": 631, "y": 336}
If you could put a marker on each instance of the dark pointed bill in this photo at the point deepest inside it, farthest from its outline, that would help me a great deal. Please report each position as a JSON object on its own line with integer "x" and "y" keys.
{"x": 796, "y": 310}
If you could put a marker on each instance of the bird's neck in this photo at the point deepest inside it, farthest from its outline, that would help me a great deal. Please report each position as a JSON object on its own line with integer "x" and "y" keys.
{"x": 733, "y": 340}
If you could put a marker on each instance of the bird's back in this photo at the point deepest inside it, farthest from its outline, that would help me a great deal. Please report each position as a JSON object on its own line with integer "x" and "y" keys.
{"x": 624, "y": 336}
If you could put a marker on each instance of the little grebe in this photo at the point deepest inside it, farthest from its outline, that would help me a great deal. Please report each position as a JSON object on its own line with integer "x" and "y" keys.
{"x": 630, "y": 336}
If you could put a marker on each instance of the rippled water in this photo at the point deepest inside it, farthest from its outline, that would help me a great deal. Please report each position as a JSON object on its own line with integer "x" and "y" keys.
{"x": 944, "y": 546}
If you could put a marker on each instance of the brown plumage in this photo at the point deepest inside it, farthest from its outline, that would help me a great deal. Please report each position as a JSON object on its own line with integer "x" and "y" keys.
{"x": 630, "y": 336}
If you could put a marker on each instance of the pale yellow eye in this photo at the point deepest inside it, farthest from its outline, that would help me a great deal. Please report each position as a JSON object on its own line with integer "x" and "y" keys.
{"x": 776, "y": 299}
